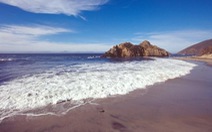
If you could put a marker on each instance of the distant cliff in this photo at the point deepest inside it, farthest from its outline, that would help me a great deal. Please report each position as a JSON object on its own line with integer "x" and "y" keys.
{"x": 127, "y": 49}
{"x": 202, "y": 48}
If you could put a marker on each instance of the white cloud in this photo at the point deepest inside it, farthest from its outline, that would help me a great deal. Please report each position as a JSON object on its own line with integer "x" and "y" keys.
{"x": 174, "y": 41}
{"x": 35, "y": 30}
{"x": 13, "y": 34}
{"x": 27, "y": 39}
{"x": 68, "y": 7}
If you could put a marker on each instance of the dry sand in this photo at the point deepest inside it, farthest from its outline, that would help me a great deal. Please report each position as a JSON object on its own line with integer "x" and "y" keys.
{"x": 179, "y": 105}
{"x": 204, "y": 58}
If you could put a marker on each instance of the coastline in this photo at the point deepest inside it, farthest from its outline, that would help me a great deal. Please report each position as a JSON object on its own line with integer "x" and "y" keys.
{"x": 205, "y": 58}
{"x": 181, "y": 104}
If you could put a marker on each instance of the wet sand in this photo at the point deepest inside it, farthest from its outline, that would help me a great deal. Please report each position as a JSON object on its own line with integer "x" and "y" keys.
{"x": 178, "y": 105}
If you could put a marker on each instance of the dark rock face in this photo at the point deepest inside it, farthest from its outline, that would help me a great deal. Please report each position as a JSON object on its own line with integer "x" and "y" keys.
{"x": 126, "y": 50}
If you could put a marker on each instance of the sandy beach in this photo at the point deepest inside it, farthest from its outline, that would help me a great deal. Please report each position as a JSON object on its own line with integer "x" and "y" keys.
{"x": 178, "y": 105}
{"x": 105, "y": 66}
{"x": 204, "y": 58}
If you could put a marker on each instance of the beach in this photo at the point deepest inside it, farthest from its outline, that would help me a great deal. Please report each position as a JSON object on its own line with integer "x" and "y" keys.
{"x": 204, "y": 58}
{"x": 105, "y": 66}
{"x": 182, "y": 104}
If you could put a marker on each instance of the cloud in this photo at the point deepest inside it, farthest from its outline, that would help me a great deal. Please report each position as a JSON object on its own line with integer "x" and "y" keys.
{"x": 13, "y": 34}
{"x": 68, "y": 7}
{"x": 16, "y": 38}
{"x": 174, "y": 41}
{"x": 35, "y": 30}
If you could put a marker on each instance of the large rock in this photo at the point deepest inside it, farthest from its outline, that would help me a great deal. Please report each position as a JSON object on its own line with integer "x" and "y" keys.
{"x": 127, "y": 49}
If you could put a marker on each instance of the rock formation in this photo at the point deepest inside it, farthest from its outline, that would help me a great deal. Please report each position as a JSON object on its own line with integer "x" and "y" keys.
{"x": 127, "y": 49}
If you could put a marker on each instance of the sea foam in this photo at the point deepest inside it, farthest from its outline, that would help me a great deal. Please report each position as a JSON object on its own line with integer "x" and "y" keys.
{"x": 88, "y": 80}
{"x": 6, "y": 59}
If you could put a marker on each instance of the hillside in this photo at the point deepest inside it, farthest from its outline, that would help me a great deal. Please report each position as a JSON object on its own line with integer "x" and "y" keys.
{"x": 204, "y": 47}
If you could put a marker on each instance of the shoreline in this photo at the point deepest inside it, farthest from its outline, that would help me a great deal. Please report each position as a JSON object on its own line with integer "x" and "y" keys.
{"x": 205, "y": 59}
{"x": 181, "y": 104}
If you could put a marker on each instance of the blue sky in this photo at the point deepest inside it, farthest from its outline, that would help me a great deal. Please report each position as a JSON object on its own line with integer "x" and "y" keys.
{"x": 97, "y": 25}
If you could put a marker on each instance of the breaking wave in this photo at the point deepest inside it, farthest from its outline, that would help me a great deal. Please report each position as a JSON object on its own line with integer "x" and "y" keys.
{"x": 83, "y": 81}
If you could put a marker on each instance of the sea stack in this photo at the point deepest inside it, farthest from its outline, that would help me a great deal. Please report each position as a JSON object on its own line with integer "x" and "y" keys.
{"x": 127, "y": 50}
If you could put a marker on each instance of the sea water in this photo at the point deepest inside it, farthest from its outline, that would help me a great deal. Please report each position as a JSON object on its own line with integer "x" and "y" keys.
{"x": 33, "y": 81}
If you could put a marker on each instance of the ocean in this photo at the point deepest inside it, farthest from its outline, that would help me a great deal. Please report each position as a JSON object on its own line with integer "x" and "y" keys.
{"x": 33, "y": 84}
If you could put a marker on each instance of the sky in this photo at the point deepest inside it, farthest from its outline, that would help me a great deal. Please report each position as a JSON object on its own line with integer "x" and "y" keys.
{"x": 34, "y": 26}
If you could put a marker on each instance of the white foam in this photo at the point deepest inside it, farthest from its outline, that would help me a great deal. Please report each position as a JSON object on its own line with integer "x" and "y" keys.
{"x": 89, "y": 80}
{"x": 93, "y": 57}
{"x": 6, "y": 59}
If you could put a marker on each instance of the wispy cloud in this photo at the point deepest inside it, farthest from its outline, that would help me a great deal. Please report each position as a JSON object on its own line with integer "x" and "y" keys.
{"x": 28, "y": 39}
{"x": 13, "y": 34}
{"x": 68, "y": 7}
{"x": 174, "y": 41}
{"x": 35, "y": 30}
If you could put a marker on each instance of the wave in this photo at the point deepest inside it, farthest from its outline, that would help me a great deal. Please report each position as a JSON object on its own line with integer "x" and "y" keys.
{"x": 93, "y": 57}
{"x": 82, "y": 81}
{"x": 6, "y": 59}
